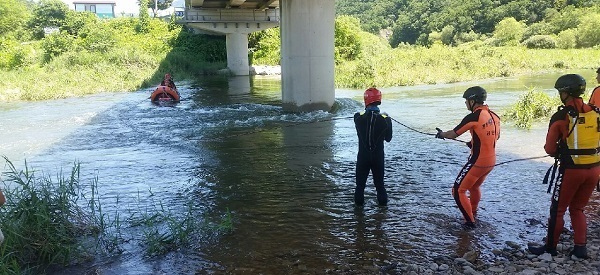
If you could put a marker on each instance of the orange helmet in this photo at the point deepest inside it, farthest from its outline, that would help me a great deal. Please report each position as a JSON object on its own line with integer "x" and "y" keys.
{"x": 372, "y": 95}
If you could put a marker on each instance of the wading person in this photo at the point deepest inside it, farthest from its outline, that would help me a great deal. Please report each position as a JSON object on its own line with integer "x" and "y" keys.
{"x": 595, "y": 97}
{"x": 484, "y": 126}
{"x": 573, "y": 138}
{"x": 372, "y": 128}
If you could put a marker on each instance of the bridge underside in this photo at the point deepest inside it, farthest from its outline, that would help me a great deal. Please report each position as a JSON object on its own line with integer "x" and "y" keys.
{"x": 227, "y": 4}
{"x": 307, "y": 42}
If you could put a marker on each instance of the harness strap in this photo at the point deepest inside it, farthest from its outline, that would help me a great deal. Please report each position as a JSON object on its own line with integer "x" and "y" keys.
{"x": 553, "y": 169}
{"x": 583, "y": 151}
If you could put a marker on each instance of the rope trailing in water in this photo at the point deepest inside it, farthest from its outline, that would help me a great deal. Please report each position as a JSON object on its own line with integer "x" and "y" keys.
{"x": 497, "y": 164}
{"x": 421, "y": 132}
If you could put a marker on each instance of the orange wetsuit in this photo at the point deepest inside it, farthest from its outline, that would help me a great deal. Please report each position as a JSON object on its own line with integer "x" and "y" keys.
{"x": 575, "y": 183}
{"x": 484, "y": 126}
{"x": 595, "y": 97}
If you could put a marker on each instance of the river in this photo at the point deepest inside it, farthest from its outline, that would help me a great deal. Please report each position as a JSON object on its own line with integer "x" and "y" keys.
{"x": 286, "y": 179}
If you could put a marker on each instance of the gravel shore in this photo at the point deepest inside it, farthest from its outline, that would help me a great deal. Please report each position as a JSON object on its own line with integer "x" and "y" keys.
{"x": 515, "y": 259}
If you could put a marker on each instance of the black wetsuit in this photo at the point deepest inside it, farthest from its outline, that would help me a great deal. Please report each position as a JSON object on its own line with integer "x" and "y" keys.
{"x": 372, "y": 129}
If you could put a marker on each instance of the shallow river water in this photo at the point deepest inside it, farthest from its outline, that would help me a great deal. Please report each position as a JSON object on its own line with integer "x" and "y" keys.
{"x": 286, "y": 179}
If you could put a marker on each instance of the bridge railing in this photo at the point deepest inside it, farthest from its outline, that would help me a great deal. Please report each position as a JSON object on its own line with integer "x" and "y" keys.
{"x": 231, "y": 15}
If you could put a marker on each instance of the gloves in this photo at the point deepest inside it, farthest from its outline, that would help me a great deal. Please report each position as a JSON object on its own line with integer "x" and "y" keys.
{"x": 384, "y": 114}
{"x": 439, "y": 133}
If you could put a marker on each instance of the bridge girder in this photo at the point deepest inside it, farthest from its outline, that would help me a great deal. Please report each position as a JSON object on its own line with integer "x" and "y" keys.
{"x": 237, "y": 4}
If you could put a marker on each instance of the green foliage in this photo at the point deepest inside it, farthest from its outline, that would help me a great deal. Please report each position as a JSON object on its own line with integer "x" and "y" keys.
{"x": 13, "y": 55}
{"x": 347, "y": 41}
{"x": 13, "y": 15}
{"x": 43, "y": 222}
{"x": 589, "y": 31}
{"x": 144, "y": 18}
{"x": 509, "y": 31}
{"x": 76, "y": 21}
{"x": 567, "y": 39}
{"x": 530, "y": 107}
{"x": 265, "y": 47}
{"x": 540, "y": 42}
{"x": 155, "y": 5}
{"x": 48, "y": 13}
{"x": 56, "y": 44}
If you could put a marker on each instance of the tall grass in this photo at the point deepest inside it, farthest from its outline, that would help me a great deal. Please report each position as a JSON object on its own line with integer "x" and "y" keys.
{"x": 44, "y": 223}
{"x": 414, "y": 65}
{"x": 53, "y": 223}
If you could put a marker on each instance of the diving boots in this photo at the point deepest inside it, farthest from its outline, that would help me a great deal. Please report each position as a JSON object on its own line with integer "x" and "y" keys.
{"x": 539, "y": 250}
{"x": 579, "y": 251}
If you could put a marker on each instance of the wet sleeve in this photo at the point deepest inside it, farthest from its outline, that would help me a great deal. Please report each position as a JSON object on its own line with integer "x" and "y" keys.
{"x": 467, "y": 123}
{"x": 595, "y": 97}
{"x": 555, "y": 133}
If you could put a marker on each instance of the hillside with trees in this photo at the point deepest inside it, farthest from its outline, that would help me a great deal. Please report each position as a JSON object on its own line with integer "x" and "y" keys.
{"x": 547, "y": 23}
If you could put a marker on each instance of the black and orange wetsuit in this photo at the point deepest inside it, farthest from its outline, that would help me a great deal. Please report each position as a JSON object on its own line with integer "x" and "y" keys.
{"x": 484, "y": 126}
{"x": 576, "y": 180}
{"x": 372, "y": 129}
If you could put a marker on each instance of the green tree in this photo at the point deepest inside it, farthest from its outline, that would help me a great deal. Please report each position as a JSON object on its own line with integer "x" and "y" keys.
{"x": 347, "y": 40}
{"x": 144, "y": 18}
{"x": 509, "y": 31}
{"x": 589, "y": 31}
{"x": 156, "y": 5}
{"x": 47, "y": 13}
{"x": 13, "y": 15}
{"x": 76, "y": 21}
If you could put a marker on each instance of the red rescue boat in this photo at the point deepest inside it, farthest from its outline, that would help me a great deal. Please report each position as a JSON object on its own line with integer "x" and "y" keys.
{"x": 164, "y": 94}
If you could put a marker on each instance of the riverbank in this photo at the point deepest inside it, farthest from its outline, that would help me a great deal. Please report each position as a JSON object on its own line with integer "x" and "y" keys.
{"x": 515, "y": 259}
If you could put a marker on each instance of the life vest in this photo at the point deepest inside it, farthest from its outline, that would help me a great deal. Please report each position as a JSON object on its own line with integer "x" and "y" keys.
{"x": 583, "y": 140}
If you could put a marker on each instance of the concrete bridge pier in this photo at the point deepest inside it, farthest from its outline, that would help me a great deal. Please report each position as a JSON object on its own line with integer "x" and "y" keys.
{"x": 237, "y": 53}
{"x": 307, "y": 54}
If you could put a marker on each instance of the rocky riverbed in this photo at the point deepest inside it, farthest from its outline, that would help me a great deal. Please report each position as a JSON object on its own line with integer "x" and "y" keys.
{"x": 515, "y": 259}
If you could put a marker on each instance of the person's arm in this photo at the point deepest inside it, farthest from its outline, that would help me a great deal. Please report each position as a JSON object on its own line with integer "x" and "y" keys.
{"x": 555, "y": 133}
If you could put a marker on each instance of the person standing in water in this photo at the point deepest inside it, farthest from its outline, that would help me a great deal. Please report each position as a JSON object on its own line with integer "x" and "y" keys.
{"x": 573, "y": 138}
{"x": 372, "y": 128}
{"x": 484, "y": 126}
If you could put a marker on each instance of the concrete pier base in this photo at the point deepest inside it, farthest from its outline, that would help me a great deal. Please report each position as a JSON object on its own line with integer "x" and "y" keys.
{"x": 307, "y": 54}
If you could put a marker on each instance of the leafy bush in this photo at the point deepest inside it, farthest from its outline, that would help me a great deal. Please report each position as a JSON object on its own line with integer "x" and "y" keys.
{"x": 540, "y": 42}
{"x": 347, "y": 42}
{"x": 567, "y": 39}
{"x": 56, "y": 44}
{"x": 531, "y": 106}
{"x": 264, "y": 47}
{"x": 509, "y": 31}
{"x": 588, "y": 31}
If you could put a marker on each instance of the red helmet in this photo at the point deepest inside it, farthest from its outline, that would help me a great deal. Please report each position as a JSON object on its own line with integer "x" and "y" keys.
{"x": 372, "y": 95}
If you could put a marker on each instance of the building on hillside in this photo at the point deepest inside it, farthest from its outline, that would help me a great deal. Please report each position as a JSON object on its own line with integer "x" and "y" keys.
{"x": 102, "y": 8}
{"x": 106, "y": 8}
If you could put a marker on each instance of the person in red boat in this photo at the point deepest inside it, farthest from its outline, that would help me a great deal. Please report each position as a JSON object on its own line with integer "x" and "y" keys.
{"x": 168, "y": 81}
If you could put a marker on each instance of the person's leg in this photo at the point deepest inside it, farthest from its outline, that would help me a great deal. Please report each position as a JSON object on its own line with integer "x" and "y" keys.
{"x": 378, "y": 178}
{"x": 580, "y": 200}
{"x": 464, "y": 181}
{"x": 475, "y": 191}
{"x": 362, "y": 173}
